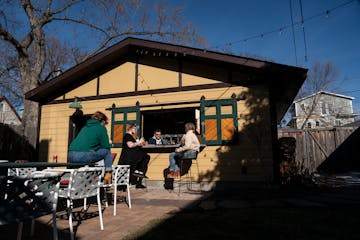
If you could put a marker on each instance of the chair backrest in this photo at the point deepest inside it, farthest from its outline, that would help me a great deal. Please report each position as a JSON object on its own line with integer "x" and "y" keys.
{"x": 121, "y": 174}
{"x": 29, "y": 197}
{"x": 21, "y": 171}
{"x": 84, "y": 182}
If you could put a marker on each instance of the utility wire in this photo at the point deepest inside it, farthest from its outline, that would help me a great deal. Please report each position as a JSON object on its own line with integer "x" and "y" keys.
{"x": 262, "y": 35}
{"x": 303, "y": 29}
{"x": 293, "y": 31}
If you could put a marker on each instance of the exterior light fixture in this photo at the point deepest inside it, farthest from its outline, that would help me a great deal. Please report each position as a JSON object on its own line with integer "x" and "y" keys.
{"x": 75, "y": 104}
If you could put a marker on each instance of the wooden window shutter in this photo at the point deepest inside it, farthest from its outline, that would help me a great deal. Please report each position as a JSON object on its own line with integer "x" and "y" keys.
{"x": 218, "y": 120}
{"x": 120, "y": 118}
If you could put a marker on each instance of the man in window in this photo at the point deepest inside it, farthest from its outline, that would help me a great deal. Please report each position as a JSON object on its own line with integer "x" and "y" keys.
{"x": 157, "y": 139}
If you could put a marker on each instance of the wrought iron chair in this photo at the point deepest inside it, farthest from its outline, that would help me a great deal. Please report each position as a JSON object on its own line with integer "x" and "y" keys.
{"x": 120, "y": 177}
{"x": 80, "y": 183}
{"x": 27, "y": 197}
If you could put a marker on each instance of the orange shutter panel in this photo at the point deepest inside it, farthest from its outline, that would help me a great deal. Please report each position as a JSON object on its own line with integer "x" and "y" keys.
{"x": 227, "y": 128}
{"x": 118, "y": 133}
{"x": 210, "y": 129}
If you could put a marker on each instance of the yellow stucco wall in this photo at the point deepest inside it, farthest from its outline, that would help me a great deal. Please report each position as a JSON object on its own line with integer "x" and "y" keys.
{"x": 250, "y": 160}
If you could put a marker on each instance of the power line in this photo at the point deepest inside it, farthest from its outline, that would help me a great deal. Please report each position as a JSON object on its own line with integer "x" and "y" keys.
{"x": 303, "y": 29}
{"x": 293, "y": 31}
{"x": 280, "y": 29}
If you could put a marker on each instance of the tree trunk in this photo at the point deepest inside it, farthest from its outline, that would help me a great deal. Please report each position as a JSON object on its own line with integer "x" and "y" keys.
{"x": 31, "y": 109}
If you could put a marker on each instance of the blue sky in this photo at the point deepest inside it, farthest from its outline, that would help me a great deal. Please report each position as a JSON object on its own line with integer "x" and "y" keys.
{"x": 333, "y": 37}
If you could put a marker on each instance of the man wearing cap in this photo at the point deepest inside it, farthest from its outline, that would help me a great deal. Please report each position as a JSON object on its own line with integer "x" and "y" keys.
{"x": 92, "y": 144}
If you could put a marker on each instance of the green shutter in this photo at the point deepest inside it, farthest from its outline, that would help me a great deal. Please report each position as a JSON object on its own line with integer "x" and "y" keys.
{"x": 218, "y": 121}
{"x": 120, "y": 117}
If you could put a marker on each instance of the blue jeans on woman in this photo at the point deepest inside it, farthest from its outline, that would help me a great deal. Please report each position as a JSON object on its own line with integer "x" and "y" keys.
{"x": 172, "y": 159}
{"x": 92, "y": 156}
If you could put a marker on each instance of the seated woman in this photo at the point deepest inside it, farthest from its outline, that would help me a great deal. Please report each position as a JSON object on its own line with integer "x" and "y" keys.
{"x": 92, "y": 144}
{"x": 189, "y": 143}
{"x": 133, "y": 155}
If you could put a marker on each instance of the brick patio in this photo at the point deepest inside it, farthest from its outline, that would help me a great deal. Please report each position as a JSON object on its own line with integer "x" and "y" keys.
{"x": 147, "y": 205}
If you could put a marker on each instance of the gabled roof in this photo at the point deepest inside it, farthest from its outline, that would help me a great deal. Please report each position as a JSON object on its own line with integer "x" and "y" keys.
{"x": 3, "y": 98}
{"x": 324, "y": 93}
{"x": 285, "y": 81}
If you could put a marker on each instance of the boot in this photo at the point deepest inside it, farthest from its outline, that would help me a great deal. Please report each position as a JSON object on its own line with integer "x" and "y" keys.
{"x": 107, "y": 178}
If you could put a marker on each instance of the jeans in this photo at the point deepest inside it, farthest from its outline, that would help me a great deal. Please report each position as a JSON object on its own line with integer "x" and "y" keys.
{"x": 172, "y": 159}
{"x": 92, "y": 156}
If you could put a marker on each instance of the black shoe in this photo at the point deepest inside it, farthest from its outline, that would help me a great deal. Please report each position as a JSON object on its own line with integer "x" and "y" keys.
{"x": 139, "y": 174}
{"x": 139, "y": 185}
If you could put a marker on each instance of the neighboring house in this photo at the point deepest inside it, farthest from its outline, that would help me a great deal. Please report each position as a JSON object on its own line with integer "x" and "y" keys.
{"x": 323, "y": 110}
{"x": 236, "y": 103}
{"x": 8, "y": 114}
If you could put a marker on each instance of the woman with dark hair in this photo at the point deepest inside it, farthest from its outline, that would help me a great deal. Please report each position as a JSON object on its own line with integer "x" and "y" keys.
{"x": 189, "y": 144}
{"x": 133, "y": 155}
{"x": 92, "y": 144}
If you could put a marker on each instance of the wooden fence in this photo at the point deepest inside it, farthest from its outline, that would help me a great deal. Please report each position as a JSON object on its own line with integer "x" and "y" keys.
{"x": 314, "y": 146}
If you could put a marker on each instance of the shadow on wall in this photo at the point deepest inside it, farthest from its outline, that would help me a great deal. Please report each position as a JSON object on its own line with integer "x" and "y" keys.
{"x": 15, "y": 147}
{"x": 44, "y": 150}
{"x": 345, "y": 158}
{"x": 248, "y": 158}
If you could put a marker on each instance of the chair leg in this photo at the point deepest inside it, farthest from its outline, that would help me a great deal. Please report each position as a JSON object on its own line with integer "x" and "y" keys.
{"x": 19, "y": 232}
{"x": 100, "y": 212}
{"x": 32, "y": 228}
{"x": 69, "y": 208}
{"x": 198, "y": 172}
{"x": 128, "y": 192}
{"x": 115, "y": 199}
{"x": 85, "y": 200}
{"x": 106, "y": 198}
{"x": 55, "y": 233}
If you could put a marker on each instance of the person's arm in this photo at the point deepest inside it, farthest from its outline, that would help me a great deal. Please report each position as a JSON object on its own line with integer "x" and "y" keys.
{"x": 132, "y": 144}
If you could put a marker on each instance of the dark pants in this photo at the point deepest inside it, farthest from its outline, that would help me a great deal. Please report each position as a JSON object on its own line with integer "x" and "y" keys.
{"x": 140, "y": 163}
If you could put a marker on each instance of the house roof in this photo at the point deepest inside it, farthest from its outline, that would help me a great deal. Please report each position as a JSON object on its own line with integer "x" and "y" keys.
{"x": 284, "y": 80}
{"x": 3, "y": 98}
{"x": 325, "y": 93}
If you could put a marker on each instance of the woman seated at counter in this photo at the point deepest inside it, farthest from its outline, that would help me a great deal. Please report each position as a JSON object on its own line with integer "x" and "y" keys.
{"x": 133, "y": 155}
{"x": 190, "y": 146}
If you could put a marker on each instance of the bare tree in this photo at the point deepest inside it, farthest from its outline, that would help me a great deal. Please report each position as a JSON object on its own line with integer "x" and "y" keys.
{"x": 30, "y": 30}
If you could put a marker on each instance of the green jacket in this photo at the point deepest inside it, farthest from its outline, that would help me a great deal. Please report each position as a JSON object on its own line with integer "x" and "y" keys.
{"x": 92, "y": 136}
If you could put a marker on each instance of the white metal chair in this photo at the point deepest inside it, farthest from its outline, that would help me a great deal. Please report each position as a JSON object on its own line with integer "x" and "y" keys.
{"x": 21, "y": 171}
{"x": 120, "y": 177}
{"x": 27, "y": 197}
{"x": 81, "y": 183}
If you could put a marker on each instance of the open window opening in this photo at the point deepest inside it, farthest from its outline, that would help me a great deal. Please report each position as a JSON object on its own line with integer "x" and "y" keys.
{"x": 171, "y": 122}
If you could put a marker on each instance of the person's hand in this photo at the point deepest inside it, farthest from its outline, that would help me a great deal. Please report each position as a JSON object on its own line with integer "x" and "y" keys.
{"x": 177, "y": 150}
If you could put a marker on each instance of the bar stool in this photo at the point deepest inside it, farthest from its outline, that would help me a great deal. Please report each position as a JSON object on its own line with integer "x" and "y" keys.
{"x": 191, "y": 158}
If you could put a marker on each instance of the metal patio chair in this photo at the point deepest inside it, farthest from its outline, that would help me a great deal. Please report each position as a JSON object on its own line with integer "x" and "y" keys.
{"x": 120, "y": 177}
{"x": 28, "y": 197}
{"x": 80, "y": 183}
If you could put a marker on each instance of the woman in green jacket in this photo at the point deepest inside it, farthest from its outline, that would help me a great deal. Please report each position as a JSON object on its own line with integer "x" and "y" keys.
{"x": 92, "y": 144}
